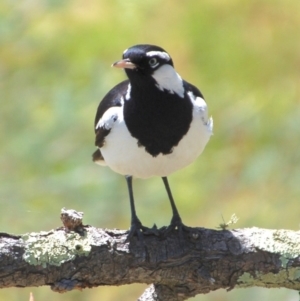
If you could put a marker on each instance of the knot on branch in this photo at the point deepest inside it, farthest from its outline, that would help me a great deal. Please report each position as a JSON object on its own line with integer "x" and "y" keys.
{"x": 72, "y": 220}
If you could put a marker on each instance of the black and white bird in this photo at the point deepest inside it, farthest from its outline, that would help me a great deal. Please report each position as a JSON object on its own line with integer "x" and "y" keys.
{"x": 152, "y": 124}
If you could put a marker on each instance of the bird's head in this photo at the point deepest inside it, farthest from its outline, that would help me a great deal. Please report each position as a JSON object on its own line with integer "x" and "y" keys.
{"x": 143, "y": 59}
{"x": 148, "y": 64}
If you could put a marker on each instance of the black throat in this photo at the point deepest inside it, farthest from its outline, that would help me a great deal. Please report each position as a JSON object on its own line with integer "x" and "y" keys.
{"x": 157, "y": 119}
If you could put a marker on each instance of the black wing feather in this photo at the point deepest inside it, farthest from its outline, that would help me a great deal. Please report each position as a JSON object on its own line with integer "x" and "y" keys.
{"x": 111, "y": 99}
{"x": 192, "y": 88}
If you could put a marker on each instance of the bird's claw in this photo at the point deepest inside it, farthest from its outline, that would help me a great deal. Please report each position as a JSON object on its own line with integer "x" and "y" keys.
{"x": 176, "y": 223}
{"x": 151, "y": 231}
{"x": 139, "y": 230}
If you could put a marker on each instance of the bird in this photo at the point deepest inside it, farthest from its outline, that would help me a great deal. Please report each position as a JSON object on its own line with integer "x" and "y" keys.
{"x": 151, "y": 124}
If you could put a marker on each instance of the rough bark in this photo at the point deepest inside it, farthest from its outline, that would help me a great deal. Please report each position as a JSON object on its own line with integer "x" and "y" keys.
{"x": 177, "y": 266}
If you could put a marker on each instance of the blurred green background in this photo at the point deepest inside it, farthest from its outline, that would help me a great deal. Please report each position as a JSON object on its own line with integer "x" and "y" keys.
{"x": 55, "y": 59}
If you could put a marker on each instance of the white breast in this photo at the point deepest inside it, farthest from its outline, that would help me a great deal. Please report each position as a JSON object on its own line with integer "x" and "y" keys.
{"x": 122, "y": 154}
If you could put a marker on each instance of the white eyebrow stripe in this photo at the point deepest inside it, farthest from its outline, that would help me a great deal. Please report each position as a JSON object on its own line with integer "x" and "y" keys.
{"x": 163, "y": 55}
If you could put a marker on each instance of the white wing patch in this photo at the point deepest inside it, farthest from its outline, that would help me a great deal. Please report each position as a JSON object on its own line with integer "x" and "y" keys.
{"x": 111, "y": 116}
{"x": 200, "y": 107}
{"x": 127, "y": 96}
{"x": 168, "y": 79}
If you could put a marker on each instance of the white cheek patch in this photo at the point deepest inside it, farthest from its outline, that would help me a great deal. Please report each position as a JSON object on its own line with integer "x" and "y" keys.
{"x": 168, "y": 79}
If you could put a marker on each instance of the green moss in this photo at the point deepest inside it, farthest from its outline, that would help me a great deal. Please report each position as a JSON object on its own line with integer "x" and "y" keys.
{"x": 270, "y": 279}
{"x": 55, "y": 248}
{"x": 284, "y": 242}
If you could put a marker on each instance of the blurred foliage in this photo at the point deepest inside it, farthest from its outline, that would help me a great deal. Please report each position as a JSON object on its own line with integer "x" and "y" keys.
{"x": 55, "y": 59}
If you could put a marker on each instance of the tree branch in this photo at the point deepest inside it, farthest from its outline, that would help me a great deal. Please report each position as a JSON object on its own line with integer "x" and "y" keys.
{"x": 179, "y": 266}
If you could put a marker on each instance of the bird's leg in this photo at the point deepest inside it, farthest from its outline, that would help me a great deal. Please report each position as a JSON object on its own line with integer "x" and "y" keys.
{"x": 135, "y": 222}
{"x": 176, "y": 221}
{"x": 136, "y": 225}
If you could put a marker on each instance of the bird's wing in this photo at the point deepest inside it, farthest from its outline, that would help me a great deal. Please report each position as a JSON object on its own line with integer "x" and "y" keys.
{"x": 191, "y": 88}
{"x": 200, "y": 107}
{"x": 105, "y": 116}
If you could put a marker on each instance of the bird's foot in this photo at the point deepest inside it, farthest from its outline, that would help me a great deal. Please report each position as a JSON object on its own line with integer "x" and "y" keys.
{"x": 151, "y": 231}
{"x": 176, "y": 224}
{"x": 139, "y": 230}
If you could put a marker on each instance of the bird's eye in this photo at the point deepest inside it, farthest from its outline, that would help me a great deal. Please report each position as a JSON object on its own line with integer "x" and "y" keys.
{"x": 153, "y": 62}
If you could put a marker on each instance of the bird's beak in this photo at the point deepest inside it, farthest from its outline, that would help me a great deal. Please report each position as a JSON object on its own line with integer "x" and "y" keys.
{"x": 126, "y": 63}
